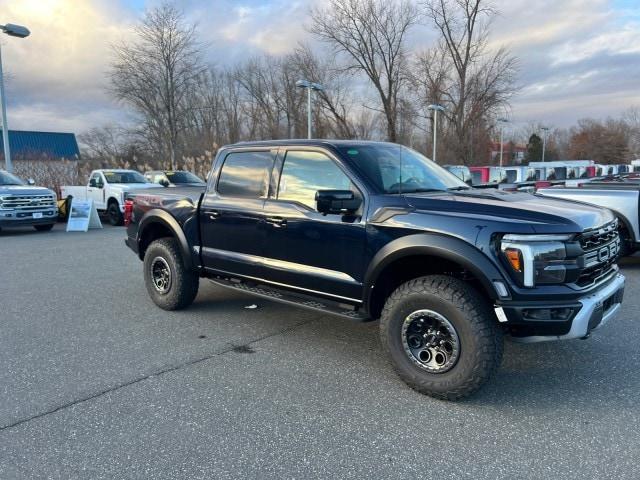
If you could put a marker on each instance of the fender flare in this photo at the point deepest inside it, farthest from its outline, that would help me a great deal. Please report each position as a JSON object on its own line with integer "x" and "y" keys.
{"x": 158, "y": 216}
{"x": 436, "y": 245}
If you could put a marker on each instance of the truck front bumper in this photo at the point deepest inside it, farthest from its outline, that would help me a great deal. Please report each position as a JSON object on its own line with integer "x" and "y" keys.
{"x": 588, "y": 313}
{"x": 13, "y": 218}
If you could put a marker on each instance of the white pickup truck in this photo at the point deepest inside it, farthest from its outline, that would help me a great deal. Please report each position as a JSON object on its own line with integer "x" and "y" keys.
{"x": 107, "y": 189}
{"x": 621, "y": 197}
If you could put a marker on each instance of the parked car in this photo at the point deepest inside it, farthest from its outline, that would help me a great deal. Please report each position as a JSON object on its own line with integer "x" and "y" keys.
{"x": 487, "y": 175}
{"x": 24, "y": 204}
{"x": 368, "y": 230}
{"x": 621, "y": 197}
{"x": 174, "y": 178}
{"x": 107, "y": 188}
{"x": 519, "y": 174}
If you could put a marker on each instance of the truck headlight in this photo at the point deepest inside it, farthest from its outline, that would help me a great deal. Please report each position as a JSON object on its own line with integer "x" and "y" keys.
{"x": 537, "y": 259}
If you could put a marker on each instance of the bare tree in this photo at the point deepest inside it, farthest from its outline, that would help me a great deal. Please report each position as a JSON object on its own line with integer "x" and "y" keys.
{"x": 154, "y": 73}
{"x": 473, "y": 82}
{"x": 605, "y": 142}
{"x": 371, "y": 34}
{"x": 334, "y": 101}
{"x": 103, "y": 142}
{"x": 632, "y": 118}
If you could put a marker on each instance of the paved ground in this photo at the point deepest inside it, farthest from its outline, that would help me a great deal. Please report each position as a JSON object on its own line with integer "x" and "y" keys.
{"x": 96, "y": 382}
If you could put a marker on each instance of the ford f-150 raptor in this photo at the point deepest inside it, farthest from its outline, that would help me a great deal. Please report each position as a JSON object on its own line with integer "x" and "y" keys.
{"x": 371, "y": 230}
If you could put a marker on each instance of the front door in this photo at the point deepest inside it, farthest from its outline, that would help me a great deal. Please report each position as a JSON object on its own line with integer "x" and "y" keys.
{"x": 97, "y": 192}
{"x": 232, "y": 213}
{"x": 305, "y": 249}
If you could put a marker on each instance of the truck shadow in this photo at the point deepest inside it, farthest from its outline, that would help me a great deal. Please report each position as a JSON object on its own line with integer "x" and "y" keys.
{"x": 570, "y": 374}
{"x": 539, "y": 377}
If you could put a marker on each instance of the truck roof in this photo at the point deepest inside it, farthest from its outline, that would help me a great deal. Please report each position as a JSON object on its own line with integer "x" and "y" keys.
{"x": 314, "y": 142}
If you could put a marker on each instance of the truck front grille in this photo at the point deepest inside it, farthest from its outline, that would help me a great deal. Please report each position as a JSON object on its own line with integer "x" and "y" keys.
{"x": 601, "y": 248}
{"x": 28, "y": 202}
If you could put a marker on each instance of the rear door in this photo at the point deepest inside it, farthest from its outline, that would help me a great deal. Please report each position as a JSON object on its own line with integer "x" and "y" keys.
{"x": 231, "y": 212}
{"x": 304, "y": 249}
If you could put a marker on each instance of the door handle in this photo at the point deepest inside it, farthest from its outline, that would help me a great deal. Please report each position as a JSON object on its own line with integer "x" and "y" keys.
{"x": 277, "y": 222}
{"x": 213, "y": 214}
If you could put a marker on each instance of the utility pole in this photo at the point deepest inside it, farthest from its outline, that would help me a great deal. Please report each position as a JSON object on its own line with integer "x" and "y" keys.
{"x": 544, "y": 140}
{"x": 435, "y": 108}
{"x": 502, "y": 121}
{"x": 309, "y": 86}
{"x": 20, "y": 32}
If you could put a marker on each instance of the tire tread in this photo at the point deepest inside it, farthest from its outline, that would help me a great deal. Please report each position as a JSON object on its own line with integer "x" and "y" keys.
{"x": 486, "y": 359}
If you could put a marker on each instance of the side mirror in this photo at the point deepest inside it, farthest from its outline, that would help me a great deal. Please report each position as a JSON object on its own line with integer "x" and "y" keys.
{"x": 337, "y": 201}
{"x": 31, "y": 181}
{"x": 92, "y": 183}
{"x": 164, "y": 182}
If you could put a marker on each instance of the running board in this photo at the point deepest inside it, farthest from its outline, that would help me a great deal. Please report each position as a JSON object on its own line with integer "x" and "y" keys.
{"x": 298, "y": 300}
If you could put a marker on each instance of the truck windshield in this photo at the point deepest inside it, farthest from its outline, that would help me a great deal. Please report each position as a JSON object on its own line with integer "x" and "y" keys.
{"x": 7, "y": 179}
{"x": 397, "y": 169}
{"x": 183, "y": 177}
{"x": 124, "y": 177}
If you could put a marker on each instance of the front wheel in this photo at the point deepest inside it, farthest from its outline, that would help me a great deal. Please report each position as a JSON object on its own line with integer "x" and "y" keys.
{"x": 43, "y": 228}
{"x": 114, "y": 214}
{"x": 170, "y": 284}
{"x": 441, "y": 336}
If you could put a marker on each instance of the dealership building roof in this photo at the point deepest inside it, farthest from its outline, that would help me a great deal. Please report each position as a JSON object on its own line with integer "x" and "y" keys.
{"x": 32, "y": 145}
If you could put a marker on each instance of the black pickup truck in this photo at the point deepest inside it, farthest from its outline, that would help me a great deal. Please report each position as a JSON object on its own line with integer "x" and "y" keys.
{"x": 369, "y": 230}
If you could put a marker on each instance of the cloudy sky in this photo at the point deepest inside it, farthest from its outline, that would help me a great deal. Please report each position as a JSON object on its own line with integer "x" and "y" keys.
{"x": 578, "y": 58}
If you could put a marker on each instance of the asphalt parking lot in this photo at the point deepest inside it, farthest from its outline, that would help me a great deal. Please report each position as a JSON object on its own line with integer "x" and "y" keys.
{"x": 96, "y": 382}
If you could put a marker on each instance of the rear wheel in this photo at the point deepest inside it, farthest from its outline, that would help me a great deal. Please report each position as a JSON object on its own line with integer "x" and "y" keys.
{"x": 170, "y": 284}
{"x": 114, "y": 214}
{"x": 43, "y": 228}
{"x": 441, "y": 336}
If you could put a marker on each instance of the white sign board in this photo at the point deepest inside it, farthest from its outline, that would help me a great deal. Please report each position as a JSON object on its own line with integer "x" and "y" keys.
{"x": 82, "y": 216}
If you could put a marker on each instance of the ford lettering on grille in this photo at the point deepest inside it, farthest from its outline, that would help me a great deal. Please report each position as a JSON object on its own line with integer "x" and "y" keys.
{"x": 602, "y": 254}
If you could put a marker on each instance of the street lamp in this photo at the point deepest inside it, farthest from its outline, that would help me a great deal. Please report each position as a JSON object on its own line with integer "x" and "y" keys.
{"x": 502, "y": 121}
{"x": 435, "y": 108}
{"x": 309, "y": 86}
{"x": 544, "y": 140}
{"x": 20, "y": 32}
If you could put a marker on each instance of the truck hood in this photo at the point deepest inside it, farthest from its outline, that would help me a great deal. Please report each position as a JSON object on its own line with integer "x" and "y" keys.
{"x": 514, "y": 206}
{"x": 24, "y": 190}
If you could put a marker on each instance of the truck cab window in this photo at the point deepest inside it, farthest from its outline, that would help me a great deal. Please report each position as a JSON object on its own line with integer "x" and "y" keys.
{"x": 97, "y": 179}
{"x": 245, "y": 174}
{"x": 304, "y": 173}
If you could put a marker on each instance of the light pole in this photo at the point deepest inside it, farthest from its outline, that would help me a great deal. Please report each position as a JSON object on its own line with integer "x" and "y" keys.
{"x": 502, "y": 121}
{"x": 309, "y": 86}
{"x": 20, "y": 32}
{"x": 544, "y": 140}
{"x": 435, "y": 108}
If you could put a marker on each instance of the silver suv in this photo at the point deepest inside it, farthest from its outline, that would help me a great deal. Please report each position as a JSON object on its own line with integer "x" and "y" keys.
{"x": 24, "y": 204}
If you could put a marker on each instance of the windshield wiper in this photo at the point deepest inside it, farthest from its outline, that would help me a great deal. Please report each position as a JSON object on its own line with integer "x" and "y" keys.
{"x": 453, "y": 189}
{"x": 416, "y": 190}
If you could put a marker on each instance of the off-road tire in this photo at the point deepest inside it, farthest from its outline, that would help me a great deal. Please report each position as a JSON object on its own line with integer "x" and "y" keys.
{"x": 184, "y": 283}
{"x": 114, "y": 214}
{"x": 481, "y": 339}
{"x": 43, "y": 228}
